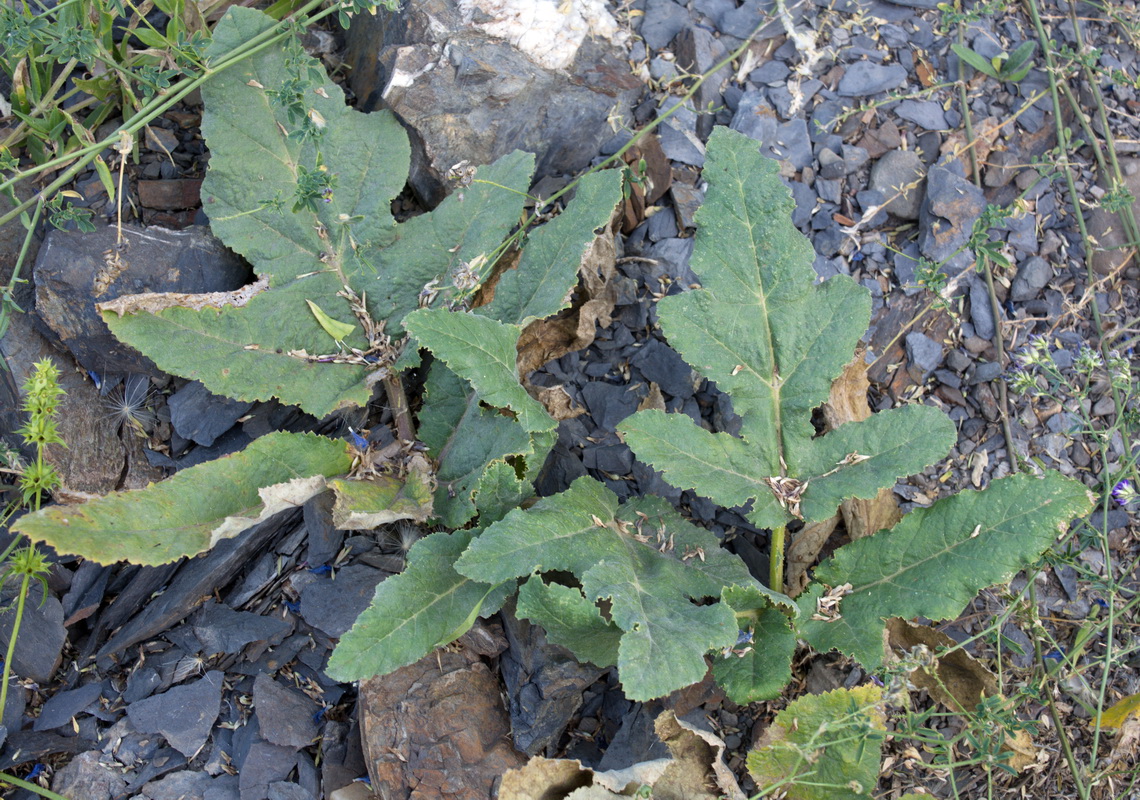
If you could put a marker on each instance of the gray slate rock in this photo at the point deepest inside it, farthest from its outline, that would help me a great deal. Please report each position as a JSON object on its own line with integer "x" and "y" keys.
{"x": 223, "y": 630}
{"x": 62, "y": 706}
{"x": 1033, "y": 275}
{"x": 755, "y": 117}
{"x": 39, "y": 645}
{"x": 864, "y": 78}
{"x": 201, "y": 416}
{"x": 159, "y": 260}
{"x": 660, "y": 363}
{"x": 85, "y": 777}
{"x": 663, "y": 20}
{"x": 184, "y": 715}
{"x": 287, "y": 790}
{"x": 608, "y": 403}
{"x": 742, "y": 21}
{"x": 265, "y": 764}
{"x": 286, "y": 715}
{"x": 901, "y": 176}
{"x": 915, "y": 3}
{"x": 186, "y": 785}
{"x": 951, "y": 206}
{"x": 924, "y": 113}
{"x": 981, "y": 312}
{"x": 923, "y": 353}
{"x": 331, "y": 605}
{"x": 486, "y": 98}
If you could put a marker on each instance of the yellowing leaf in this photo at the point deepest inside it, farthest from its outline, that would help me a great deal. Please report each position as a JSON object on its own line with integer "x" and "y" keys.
{"x": 335, "y": 328}
{"x": 1120, "y": 711}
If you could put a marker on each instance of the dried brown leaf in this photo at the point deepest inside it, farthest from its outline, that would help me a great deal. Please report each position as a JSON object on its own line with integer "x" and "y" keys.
{"x": 961, "y": 682}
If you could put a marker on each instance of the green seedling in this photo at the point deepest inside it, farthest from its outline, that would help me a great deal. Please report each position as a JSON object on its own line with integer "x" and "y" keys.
{"x": 1011, "y": 67}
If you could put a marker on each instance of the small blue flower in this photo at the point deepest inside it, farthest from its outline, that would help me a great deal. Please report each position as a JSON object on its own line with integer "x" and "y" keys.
{"x": 1124, "y": 492}
{"x": 358, "y": 441}
{"x": 1056, "y": 655}
{"x": 323, "y": 569}
{"x": 37, "y": 770}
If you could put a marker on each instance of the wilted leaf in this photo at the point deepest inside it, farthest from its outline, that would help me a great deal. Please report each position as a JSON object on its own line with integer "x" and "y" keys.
{"x": 480, "y": 350}
{"x": 427, "y": 605}
{"x": 570, "y": 620}
{"x": 695, "y": 770}
{"x": 773, "y": 341}
{"x": 1121, "y": 710}
{"x": 191, "y": 511}
{"x": 367, "y": 504}
{"x": 465, "y": 439}
{"x": 823, "y": 747}
{"x": 936, "y": 560}
{"x": 960, "y": 682}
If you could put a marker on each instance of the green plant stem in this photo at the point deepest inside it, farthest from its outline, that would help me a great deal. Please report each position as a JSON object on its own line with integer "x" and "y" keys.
{"x": 1070, "y": 182}
{"x": 12, "y": 780}
{"x": 776, "y": 558}
{"x": 79, "y": 159}
{"x": 6, "y": 301}
{"x": 987, "y": 267}
{"x": 1126, "y": 215}
{"x": 1054, "y": 715}
{"x": 24, "y": 581}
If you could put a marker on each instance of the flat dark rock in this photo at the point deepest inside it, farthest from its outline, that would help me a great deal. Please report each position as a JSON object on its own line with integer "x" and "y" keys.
{"x": 39, "y": 645}
{"x": 62, "y": 706}
{"x": 184, "y": 715}
{"x": 544, "y": 685}
{"x": 331, "y": 605}
{"x": 201, "y": 416}
{"x": 194, "y": 580}
{"x": 287, "y": 716}
{"x": 223, "y": 630}
{"x": 178, "y": 785}
{"x": 23, "y": 747}
{"x": 286, "y": 790}
{"x": 265, "y": 764}
{"x": 609, "y": 403}
{"x": 156, "y": 260}
{"x": 85, "y": 777}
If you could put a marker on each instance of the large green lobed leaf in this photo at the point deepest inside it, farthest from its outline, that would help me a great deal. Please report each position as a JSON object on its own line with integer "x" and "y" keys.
{"x": 656, "y": 571}
{"x": 774, "y": 341}
{"x": 936, "y": 560}
{"x": 267, "y": 346}
{"x": 190, "y": 512}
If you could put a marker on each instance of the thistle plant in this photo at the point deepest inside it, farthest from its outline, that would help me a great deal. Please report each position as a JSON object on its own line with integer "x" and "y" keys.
{"x": 347, "y": 298}
{"x": 41, "y": 400}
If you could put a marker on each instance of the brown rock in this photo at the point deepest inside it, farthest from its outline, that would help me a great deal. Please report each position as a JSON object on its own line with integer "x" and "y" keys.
{"x": 436, "y": 729}
{"x": 171, "y": 194}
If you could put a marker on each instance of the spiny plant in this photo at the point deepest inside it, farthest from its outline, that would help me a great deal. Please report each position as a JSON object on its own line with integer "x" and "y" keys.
{"x": 346, "y": 299}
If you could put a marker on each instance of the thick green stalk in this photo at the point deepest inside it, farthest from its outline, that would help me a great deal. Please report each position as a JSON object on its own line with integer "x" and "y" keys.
{"x": 24, "y": 581}
{"x": 776, "y": 558}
